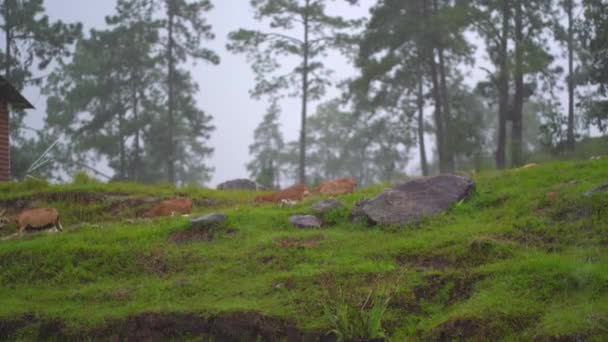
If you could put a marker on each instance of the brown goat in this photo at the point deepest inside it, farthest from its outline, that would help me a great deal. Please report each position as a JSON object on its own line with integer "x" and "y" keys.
{"x": 336, "y": 187}
{"x": 179, "y": 205}
{"x": 34, "y": 219}
{"x": 294, "y": 193}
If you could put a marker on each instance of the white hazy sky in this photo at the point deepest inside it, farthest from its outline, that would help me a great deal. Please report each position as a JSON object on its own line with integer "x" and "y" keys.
{"x": 224, "y": 89}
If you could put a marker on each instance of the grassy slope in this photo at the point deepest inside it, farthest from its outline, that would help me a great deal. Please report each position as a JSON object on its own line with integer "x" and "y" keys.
{"x": 509, "y": 263}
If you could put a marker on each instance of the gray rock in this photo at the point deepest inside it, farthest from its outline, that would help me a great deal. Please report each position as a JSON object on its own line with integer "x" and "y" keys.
{"x": 323, "y": 207}
{"x": 358, "y": 214}
{"x": 208, "y": 221}
{"x": 240, "y": 184}
{"x": 597, "y": 190}
{"x": 411, "y": 202}
{"x": 305, "y": 221}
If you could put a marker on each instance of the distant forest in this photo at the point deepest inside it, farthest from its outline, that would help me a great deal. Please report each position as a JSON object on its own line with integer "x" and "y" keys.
{"x": 124, "y": 94}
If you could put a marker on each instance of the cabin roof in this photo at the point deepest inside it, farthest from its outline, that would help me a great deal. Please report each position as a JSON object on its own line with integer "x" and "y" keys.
{"x": 11, "y": 95}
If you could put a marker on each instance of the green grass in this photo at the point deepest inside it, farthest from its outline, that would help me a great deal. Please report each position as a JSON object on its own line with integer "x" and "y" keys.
{"x": 508, "y": 264}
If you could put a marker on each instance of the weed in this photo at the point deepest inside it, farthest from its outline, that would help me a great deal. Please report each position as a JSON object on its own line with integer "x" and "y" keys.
{"x": 351, "y": 322}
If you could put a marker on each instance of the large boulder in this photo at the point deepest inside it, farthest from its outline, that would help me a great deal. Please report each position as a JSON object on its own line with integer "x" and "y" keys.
{"x": 241, "y": 184}
{"x": 411, "y": 202}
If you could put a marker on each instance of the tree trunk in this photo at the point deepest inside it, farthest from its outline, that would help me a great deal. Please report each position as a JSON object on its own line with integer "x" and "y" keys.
{"x": 449, "y": 158}
{"x": 302, "y": 166}
{"x": 430, "y": 56}
{"x": 571, "y": 138}
{"x": 170, "y": 80}
{"x": 503, "y": 87}
{"x": 518, "y": 101}
{"x": 423, "y": 162}
{"x": 137, "y": 157}
{"x": 121, "y": 135}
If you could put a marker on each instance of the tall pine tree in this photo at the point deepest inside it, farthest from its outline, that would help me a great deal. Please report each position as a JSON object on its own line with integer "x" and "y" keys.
{"x": 297, "y": 28}
{"x": 266, "y": 149}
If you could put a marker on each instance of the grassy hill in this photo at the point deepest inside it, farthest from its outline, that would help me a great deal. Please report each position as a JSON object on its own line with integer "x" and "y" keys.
{"x": 513, "y": 263}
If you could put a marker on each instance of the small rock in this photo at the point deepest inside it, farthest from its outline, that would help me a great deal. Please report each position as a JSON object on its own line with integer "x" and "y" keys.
{"x": 207, "y": 221}
{"x": 323, "y": 207}
{"x": 600, "y": 189}
{"x": 305, "y": 221}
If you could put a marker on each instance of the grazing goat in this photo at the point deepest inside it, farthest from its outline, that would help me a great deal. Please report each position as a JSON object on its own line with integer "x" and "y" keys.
{"x": 337, "y": 187}
{"x": 35, "y": 219}
{"x": 294, "y": 193}
{"x": 179, "y": 205}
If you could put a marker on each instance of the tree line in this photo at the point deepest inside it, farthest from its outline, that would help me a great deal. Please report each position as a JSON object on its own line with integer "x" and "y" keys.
{"x": 480, "y": 80}
{"x": 124, "y": 94}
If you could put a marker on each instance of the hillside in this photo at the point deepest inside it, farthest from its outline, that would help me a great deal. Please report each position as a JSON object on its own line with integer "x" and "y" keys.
{"x": 524, "y": 259}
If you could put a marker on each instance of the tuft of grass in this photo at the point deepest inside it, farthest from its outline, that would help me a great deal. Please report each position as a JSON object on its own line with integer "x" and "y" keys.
{"x": 357, "y": 322}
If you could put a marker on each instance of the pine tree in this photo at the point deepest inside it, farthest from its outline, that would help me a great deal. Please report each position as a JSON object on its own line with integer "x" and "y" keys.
{"x": 595, "y": 34}
{"x": 405, "y": 53}
{"x": 522, "y": 24}
{"x": 112, "y": 98}
{"x": 266, "y": 149}
{"x": 111, "y": 74}
{"x": 298, "y": 28}
{"x": 185, "y": 29}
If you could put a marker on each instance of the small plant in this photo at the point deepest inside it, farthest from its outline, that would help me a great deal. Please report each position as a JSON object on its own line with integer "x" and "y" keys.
{"x": 357, "y": 323}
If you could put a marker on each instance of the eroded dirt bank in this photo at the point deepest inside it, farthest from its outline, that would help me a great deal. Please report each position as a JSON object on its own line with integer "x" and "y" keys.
{"x": 163, "y": 327}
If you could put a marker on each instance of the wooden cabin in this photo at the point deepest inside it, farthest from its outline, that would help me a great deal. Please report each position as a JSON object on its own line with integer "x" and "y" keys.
{"x": 9, "y": 98}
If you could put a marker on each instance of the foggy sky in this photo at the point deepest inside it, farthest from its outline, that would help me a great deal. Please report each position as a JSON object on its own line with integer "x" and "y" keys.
{"x": 224, "y": 89}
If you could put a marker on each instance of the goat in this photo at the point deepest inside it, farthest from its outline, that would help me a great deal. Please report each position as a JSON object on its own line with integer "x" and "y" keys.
{"x": 179, "y": 205}
{"x": 336, "y": 187}
{"x": 34, "y": 219}
{"x": 294, "y": 193}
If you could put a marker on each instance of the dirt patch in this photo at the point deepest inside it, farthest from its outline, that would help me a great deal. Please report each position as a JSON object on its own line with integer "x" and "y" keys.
{"x": 466, "y": 329}
{"x": 199, "y": 235}
{"x": 171, "y": 326}
{"x": 569, "y": 338}
{"x": 422, "y": 262}
{"x": 300, "y": 243}
{"x": 478, "y": 329}
{"x": 448, "y": 289}
{"x": 154, "y": 262}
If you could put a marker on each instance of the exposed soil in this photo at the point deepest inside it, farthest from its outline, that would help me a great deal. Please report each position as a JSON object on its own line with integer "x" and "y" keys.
{"x": 154, "y": 263}
{"x": 466, "y": 329}
{"x": 299, "y": 243}
{"x": 477, "y": 329}
{"x": 461, "y": 287}
{"x": 440, "y": 262}
{"x": 199, "y": 235}
{"x": 169, "y": 326}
